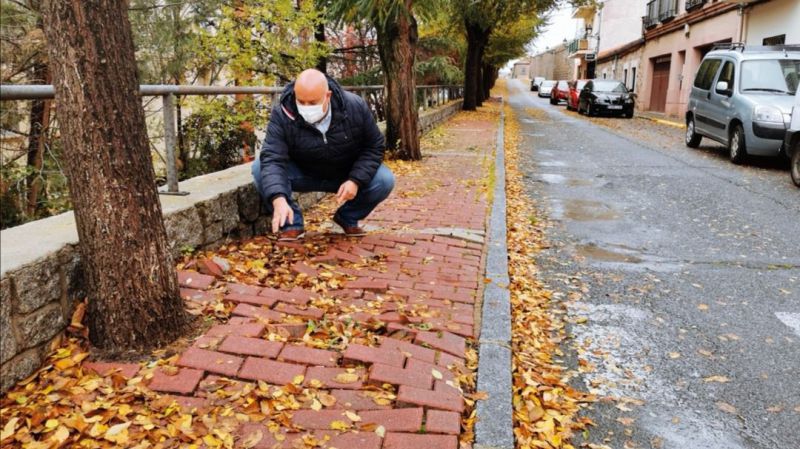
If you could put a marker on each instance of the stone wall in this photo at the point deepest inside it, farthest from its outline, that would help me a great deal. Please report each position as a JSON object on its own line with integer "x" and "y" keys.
{"x": 40, "y": 270}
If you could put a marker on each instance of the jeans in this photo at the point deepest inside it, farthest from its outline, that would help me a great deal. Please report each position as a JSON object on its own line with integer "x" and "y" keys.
{"x": 366, "y": 200}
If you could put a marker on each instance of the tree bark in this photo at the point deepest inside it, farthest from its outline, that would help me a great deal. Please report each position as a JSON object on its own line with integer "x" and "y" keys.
{"x": 130, "y": 276}
{"x": 397, "y": 46}
{"x": 488, "y": 80}
{"x": 477, "y": 39}
{"x": 39, "y": 122}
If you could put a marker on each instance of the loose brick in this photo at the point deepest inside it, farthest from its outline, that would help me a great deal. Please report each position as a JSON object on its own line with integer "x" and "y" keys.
{"x": 104, "y": 369}
{"x": 270, "y": 371}
{"x": 309, "y": 356}
{"x": 184, "y": 382}
{"x": 251, "y": 299}
{"x": 367, "y": 354}
{"x": 444, "y": 341}
{"x": 443, "y": 422}
{"x": 397, "y": 376}
{"x": 353, "y": 440}
{"x": 409, "y": 349}
{"x": 448, "y": 360}
{"x": 416, "y": 441}
{"x": 327, "y": 378}
{"x": 261, "y": 313}
{"x": 320, "y": 420}
{"x": 378, "y": 285}
{"x": 198, "y": 296}
{"x": 243, "y": 289}
{"x": 356, "y": 400}
{"x": 211, "y": 361}
{"x": 288, "y": 330}
{"x": 241, "y": 330}
{"x": 441, "y": 400}
{"x": 298, "y": 297}
{"x": 209, "y": 267}
{"x": 193, "y": 279}
{"x": 251, "y": 346}
{"x": 302, "y": 268}
{"x": 425, "y": 367}
{"x": 309, "y": 312}
{"x": 395, "y": 420}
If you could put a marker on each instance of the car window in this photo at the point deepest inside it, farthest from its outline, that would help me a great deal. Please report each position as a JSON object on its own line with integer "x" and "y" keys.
{"x": 581, "y": 84}
{"x": 770, "y": 75}
{"x": 610, "y": 86}
{"x": 706, "y": 73}
{"x": 727, "y": 73}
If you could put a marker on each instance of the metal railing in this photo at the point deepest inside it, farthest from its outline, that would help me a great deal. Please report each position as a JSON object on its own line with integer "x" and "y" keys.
{"x": 667, "y": 9}
{"x": 651, "y": 19}
{"x": 428, "y": 96}
{"x": 690, "y": 4}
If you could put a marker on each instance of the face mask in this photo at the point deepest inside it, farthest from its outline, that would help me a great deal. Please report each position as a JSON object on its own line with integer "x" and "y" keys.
{"x": 311, "y": 113}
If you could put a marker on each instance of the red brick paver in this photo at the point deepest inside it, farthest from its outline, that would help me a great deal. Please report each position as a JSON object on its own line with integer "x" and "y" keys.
{"x": 415, "y": 441}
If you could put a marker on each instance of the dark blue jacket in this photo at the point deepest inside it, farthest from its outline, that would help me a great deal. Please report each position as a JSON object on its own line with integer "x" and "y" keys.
{"x": 351, "y": 149}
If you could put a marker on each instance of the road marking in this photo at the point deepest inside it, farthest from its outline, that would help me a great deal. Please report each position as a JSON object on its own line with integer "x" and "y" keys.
{"x": 790, "y": 319}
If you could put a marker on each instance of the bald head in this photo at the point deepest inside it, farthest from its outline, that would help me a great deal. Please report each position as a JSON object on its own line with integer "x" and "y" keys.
{"x": 311, "y": 87}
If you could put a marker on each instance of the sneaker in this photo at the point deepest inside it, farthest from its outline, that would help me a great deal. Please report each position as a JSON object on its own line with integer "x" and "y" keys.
{"x": 350, "y": 231}
{"x": 290, "y": 235}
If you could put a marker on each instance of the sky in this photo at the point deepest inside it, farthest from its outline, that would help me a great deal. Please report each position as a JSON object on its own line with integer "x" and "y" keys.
{"x": 561, "y": 26}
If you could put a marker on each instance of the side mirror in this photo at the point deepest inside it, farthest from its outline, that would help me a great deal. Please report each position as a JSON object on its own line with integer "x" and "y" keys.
{"x": 722, "y": 88}
{"x": 633, "y": 95}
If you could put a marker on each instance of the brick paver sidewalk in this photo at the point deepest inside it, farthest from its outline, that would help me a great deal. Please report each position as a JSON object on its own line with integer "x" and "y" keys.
{"x": 359, "y": 342}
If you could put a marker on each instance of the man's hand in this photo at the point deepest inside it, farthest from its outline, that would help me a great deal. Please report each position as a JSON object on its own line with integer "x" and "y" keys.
{"x": 347, "y": 191}
{"x": 281, "y": 213}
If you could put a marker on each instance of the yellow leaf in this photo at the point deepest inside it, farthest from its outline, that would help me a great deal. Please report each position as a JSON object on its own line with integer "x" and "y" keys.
{"x": 352, "y": 416}
{"x": 702, "y": 307}
{"x": 339, "y": 425}
{"x": 674, "y": 355}
{"x": 326, "y": 399}
{"x": 436, "y": 374}
{"x": 380, "y": 431}
{"x": 61, "y": 435}
{"x": 51, "y": 424}
{"x": 298, "y": 379}
{"x": 116, "y": 429}
{"x": 346, "y": 378}
{"x": 727, "y": 408}
{"x": 316, "y": 405}
{"x": 252, "y": 439}
{"x": 9, "y": 428}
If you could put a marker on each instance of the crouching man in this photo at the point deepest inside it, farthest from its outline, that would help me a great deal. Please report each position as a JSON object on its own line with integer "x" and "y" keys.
{"x": 321, "y": 138}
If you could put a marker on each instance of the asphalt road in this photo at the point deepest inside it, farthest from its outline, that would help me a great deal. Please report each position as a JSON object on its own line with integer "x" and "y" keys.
{"x": 680, "y": 274}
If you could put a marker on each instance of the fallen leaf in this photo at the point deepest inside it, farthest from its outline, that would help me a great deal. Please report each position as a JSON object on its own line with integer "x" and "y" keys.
{"x": 346, "y": 378}
{"x": 727, "y": 408}
{"x": 716, "y": 378}
{"x": 380, "y": 431}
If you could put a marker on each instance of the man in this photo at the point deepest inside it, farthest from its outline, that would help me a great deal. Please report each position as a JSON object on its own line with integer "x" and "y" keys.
{"x": 321, "y": 138}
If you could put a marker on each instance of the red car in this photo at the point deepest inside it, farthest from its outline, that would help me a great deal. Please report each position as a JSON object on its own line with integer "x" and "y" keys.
{"x": 575, "y": 88}
{"x": 560, "y": 92}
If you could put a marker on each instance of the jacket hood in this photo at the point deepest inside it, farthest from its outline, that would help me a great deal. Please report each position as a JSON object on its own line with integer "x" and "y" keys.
{"x": 289, "y": 104}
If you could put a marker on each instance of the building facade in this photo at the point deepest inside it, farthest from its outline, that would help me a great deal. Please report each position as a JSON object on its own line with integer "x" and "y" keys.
{"x": 619, "y": 41}
{"x": 552, "y": 64}
{"x": 772, "y": 23}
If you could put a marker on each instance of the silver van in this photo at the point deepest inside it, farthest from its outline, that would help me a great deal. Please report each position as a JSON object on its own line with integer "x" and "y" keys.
{"x": 742, "y": 97}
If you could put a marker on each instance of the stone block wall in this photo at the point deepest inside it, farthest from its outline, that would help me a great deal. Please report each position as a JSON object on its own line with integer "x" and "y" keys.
{"x": 40, "y": 269}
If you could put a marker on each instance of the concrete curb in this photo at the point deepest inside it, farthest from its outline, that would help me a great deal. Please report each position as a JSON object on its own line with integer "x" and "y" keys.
{"x": 494, "y": 428}
{"x": 662, "y": 121}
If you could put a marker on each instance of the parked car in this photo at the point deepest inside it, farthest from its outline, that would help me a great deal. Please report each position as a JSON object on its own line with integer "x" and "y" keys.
{"x": 575, "y": 88}
{"x": 535, "y": 82}
{"x": 559, "y": 92}
{"x": 742, "y": 98}
{"x": 545, "y": 88}
{"x": 601, "y": 96}
{"x": 792, "y": 141}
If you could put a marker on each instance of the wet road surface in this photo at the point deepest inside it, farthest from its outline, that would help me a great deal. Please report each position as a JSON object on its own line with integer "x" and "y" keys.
{"x": 681, "y": 275}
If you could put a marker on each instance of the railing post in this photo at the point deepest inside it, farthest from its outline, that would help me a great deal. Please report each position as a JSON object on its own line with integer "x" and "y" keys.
{"x": 169, "y": 145}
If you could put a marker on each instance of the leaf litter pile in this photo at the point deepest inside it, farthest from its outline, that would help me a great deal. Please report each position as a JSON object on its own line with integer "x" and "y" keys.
{"x": 66, "y": 404}
{"x": 546, "y": 407}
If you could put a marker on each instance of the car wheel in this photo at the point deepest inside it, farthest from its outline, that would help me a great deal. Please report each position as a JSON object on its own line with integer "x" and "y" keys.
{"x": 629, "y": 114}
{"x": 737, "y": 149}
{"x": 589, "y": 110}
{"x": 692, "y": 139}
{"x": 794, "y": 167}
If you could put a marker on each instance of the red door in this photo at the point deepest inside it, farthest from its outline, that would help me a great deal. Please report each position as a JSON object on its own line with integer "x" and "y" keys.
{"x": 658, "y": 94}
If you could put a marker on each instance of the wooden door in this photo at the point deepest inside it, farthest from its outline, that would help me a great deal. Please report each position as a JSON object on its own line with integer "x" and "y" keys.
{"x": 658, "y": 94}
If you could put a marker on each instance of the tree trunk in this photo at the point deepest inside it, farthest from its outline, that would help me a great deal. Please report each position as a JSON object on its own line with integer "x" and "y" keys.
{"x": 130, "y": 276}
{"x": 488, "y": 80}
{"x": 39, "y": 122}
{"x": 319, "y": 36}
{"x": 477, "y": 39}
{"x": 397, "y": 46}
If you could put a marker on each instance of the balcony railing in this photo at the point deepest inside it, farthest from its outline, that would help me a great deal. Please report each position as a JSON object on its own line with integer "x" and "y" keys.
{"x": 667, "y": 10}
{"x": 577, "y": 45}
{"x": 691, "y": 4}
{"x": 651, "y": 19}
